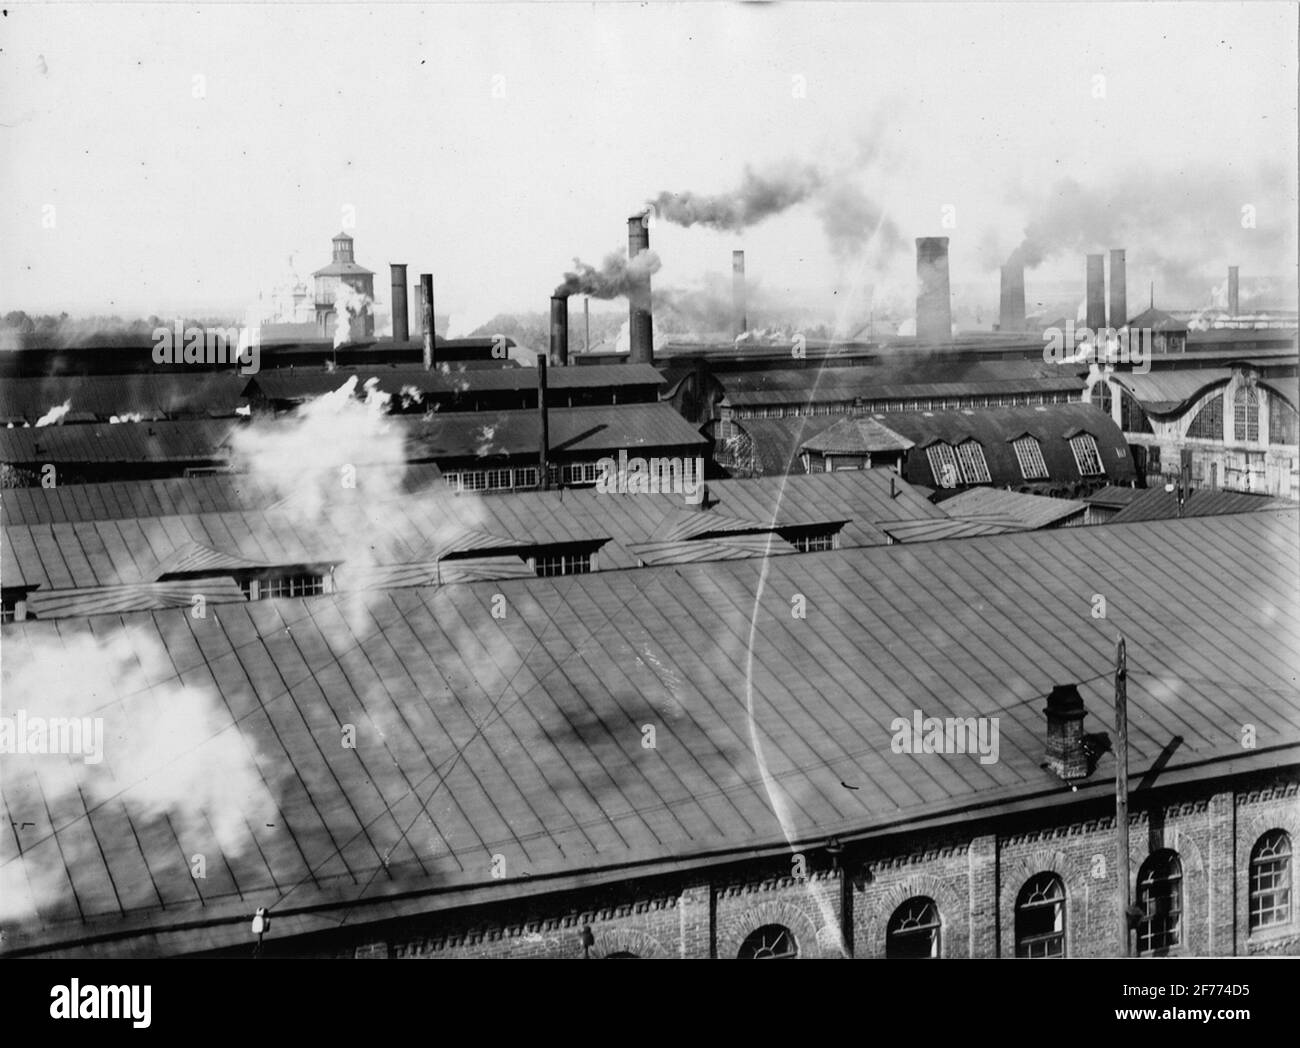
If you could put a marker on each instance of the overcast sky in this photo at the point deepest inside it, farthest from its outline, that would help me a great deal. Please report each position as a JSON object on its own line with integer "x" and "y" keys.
{"x": 491, "y": 143}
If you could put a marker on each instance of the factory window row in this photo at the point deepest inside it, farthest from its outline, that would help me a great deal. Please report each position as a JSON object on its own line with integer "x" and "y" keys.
{"x": 286, "y": 584}
{"x": 876, "y": 407}
{"x": 916, "y": 926}
{"x": 520, "y": 477}
{"x": 549, "y": 565}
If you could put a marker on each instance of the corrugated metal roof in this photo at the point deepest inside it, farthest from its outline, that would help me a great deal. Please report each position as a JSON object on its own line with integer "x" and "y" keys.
{"x": 172, "y": 496}
{"x": 1159, "y": 504}
{"x": 1015, "y": 508}
{"x": 520, "y": 736}
{"x": 423, "y": 527}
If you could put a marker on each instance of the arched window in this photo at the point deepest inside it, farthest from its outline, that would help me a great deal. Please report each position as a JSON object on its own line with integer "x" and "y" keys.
{"x": 1282, "y": 420}
{"x": 1270, "y": 881}
{"x": 772, "y": 942}
{"x": 1160, "y": 898}
{"x": 1245, "y": 414}
{"x": 1132, "y": 419}
{"x": 1040, "y": 917}
{"x": 1208, "y": 423}
{"x": 1101, "y": 397}
{"x": 913, "y": 929}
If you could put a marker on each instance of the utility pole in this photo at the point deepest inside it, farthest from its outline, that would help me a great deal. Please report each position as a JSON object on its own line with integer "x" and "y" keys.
{"x": 1121, "y": 793}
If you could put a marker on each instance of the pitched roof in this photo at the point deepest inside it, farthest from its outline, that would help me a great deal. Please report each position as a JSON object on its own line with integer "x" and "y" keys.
{"x": 776, "y": 442}
{"x": 519, "y": 736}
{"x": 1168, "y": 391}
{"x": 154, "y": 395}
{"x": 171, "y": 496}
{"x": 1159, "y": 504}
{"x": 196, "y": 440}
{"x": 573, "y": 431}
{"x": 302, "y": 384}
{"x": 1015, "y": 508}
{"x": 857, "y": 436}
{"x": 403, "y": 533}
{"x": 902, "y": 381}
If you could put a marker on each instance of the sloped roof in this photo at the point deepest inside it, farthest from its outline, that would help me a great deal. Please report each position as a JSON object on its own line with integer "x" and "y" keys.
{"x": 857, "y": 436}
{"x": 416, "y": 529}
{"x": 573, "y": 431}
{"x": 1159, "y": 504}
{"x": 776, "y": 442}
{"x": 197, "y": 440}
{"x": 1157, "y": 320}
{"x": 519, "y": 735}
{"x": 153, "y": 395}
{"x": 1014, "y": 508}
{"x": 1168, "y": 391}
{"x": 171, "y": 496}
{"x": 301, "y": 384}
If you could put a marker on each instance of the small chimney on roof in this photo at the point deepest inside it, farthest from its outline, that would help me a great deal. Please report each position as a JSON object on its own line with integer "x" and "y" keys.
{"x": 426, "y": 320}
{"x": 740, "y": 322}
{"x": 1095, "y": 315}
{"x": 1118, "y": 288}
{"x": 933, "y": 300}
{"x": 641, "y": 343}
{"x": 1234, "y": 301}
{"x": 559, "y": 330}
{"x": 401, "y": 332}
{"x": 1067, "y": 754}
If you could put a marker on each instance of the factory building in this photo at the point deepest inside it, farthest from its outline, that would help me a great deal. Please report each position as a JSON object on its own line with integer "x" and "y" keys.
{"x": 770, "y": 811}
{"x": 1223, "y": 428}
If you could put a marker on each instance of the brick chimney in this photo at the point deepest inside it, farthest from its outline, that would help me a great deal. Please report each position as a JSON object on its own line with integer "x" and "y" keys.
{"x": 1118, "y": 288}
{"x": 1096, "y": 284}
{"x": 1067, "y": 755}
{"x": 933, "y": 300}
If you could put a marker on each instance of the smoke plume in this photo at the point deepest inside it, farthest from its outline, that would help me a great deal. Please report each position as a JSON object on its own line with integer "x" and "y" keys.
{"x": 348, "y": 309}
{"x": 759, "y": 196}
{"x": 1181, "y": 229}
{"x": 169, "y": 757}
{"x": 55, "y": 415}
{"x": 617, "y": 276}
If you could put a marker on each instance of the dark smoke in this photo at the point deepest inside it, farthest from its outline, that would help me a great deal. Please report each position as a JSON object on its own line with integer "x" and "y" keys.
{"x": 616, "y": 277}
{"x": 758, "y": 196}
{"x": 1184, "y": 225}
{"x": 852, "y": 220}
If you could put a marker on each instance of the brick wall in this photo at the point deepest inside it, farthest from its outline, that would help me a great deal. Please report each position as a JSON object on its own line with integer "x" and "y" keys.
{"x": 837, "y": 906}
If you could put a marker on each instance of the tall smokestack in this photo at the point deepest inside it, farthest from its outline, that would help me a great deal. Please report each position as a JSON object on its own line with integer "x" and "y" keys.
{"x": 740, "y": 322}
{"x": 401, "y": 330}
{"x": 933, "y": 302}
{"x": 543, "y": 473}
{"x": 1012, "y": 313}
{"x": 426, "y": 318}
{"x": 1095, "y": 313}
{"x": 559, "y": 330}
{"x": 640, "y": 324}
{"x": 1234, "y": 301}
{"x": 1118, "y": 288}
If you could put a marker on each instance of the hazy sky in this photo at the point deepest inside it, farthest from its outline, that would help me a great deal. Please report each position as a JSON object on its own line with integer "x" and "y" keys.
{"x": 491, "y": 143}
